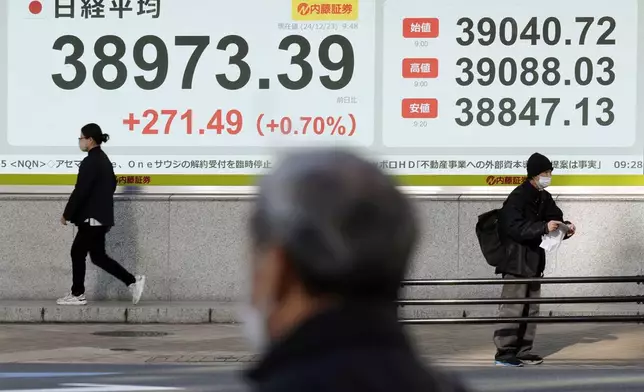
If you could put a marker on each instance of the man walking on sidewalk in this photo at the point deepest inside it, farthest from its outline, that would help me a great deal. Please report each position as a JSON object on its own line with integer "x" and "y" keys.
{"x": 527, "y": 214}
{"x": 91, "y": 209}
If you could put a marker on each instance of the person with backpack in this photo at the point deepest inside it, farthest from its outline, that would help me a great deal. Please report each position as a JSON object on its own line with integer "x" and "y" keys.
{"x": 527, "y": 215}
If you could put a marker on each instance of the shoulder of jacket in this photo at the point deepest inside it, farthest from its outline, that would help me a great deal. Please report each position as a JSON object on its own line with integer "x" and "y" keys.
{"x": 547, "y": 195}
{"x": 518, "y": 191}
{"x": 517, "y": 196}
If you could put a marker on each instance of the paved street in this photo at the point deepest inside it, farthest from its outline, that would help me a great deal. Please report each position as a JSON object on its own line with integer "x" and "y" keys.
{"x": 97, "y": 378}
{"x": 193, "y": 378}
{"x": 89, "y": 358}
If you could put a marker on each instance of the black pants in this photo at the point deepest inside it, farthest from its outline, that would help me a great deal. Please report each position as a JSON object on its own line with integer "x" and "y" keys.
{"x": 517, "y": 339}
{"x": 91, "y": 239}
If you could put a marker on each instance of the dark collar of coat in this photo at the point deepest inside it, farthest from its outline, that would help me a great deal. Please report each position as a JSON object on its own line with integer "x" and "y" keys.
{"x": 340, "y": 328}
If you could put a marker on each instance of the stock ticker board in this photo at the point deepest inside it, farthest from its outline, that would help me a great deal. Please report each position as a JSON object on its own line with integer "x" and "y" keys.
{"x": 437, "y": 92}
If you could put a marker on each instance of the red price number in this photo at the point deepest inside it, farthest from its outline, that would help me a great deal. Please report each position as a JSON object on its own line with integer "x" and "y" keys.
{"x": 163, "y": 121}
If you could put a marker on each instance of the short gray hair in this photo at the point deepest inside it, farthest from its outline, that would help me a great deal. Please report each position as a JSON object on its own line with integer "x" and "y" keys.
{"x": 341, "y": 222}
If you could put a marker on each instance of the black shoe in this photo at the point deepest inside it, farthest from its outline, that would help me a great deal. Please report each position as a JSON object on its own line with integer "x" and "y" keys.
{"x": 530, "y": 359}
{"x": 510, "y": 361}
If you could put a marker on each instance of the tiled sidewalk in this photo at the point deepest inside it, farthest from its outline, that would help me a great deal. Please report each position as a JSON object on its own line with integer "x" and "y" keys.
{"x": 587, "y": 344}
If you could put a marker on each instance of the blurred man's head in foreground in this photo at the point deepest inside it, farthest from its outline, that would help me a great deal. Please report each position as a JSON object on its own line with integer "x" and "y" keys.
{"x": 328, "y": 227}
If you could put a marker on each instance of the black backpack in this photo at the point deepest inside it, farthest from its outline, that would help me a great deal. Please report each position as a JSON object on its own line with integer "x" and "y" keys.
{"x": 487, "y": 231}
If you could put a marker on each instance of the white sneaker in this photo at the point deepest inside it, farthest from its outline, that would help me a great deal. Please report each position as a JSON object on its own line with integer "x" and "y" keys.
{"x": 137, "y": 289}
{"x": 72, "y": 300}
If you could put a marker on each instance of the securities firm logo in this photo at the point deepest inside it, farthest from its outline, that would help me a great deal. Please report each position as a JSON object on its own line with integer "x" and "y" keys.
{"x": 313, "y": 10}
{"x": 504, "y": 180}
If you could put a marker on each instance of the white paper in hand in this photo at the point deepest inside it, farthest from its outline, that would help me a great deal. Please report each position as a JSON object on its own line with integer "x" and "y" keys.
{"x": 550, "y": 242}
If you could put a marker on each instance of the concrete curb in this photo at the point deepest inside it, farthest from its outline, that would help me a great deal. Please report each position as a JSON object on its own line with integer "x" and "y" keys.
{"x": 119, "y": 313}
{"x": 17, "y": 312}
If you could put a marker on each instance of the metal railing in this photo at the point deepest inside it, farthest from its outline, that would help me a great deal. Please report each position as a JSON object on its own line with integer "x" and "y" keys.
{"x": 632, "y": 318}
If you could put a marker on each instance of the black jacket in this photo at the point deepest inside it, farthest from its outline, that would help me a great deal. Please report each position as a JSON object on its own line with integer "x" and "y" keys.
{"x": 93, "y": 195}
{"x": 523, "y": 220}
{"x": 348, "y": 349}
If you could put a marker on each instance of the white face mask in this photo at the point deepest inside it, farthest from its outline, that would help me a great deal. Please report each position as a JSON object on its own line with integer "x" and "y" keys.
{"x": 544, "y": 182}
{"x": 82, "y": 144}
{"x": 255, "y": 327}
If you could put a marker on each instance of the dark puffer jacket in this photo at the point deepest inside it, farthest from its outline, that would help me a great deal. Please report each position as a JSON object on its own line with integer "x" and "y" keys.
{"x": 523, "y": 220}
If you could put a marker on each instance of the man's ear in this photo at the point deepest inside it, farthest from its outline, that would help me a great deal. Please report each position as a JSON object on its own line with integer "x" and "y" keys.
{"x": 287, "y": 278}
{"x": 277, "y": 273}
